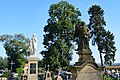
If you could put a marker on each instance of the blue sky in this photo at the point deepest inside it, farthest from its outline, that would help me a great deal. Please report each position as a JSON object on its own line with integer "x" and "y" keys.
{"x": 30, "y": 16}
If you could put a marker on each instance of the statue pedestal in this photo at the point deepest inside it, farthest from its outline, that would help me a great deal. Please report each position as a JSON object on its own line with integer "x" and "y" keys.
{"x": 33, "y": 67}
{"x": 86, "y": 68}
{"x": 88, "y": 71}
{"x": 84, "y": 56}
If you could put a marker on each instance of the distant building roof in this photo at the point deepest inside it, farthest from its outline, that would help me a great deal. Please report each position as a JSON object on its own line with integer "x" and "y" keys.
{"x": 112, "y": 67}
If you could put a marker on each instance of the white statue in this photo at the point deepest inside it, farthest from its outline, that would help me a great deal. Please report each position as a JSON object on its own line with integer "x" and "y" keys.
{"x": 33, "y": 44}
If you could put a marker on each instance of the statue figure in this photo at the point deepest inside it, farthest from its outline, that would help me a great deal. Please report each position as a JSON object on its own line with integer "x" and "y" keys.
{"x": 30, "y": 47}
{"x": 86, "y": 37}
{"x": 33, "y": 44}
{"x": 83, "y": 33}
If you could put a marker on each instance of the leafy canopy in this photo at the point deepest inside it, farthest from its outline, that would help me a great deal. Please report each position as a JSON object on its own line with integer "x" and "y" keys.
{"x": 3, "y": 63}
{"x": 16, "y": 49}
{"x": 59, "y": 34}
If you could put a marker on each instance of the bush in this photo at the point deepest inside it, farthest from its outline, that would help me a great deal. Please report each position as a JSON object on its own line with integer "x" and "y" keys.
{"x": 19, "y": 70}
{"x": 5, "y": 74}
{"x": 108, "y": 78}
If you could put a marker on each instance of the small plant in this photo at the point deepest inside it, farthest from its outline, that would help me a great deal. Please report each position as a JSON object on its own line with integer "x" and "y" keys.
{"x": 106, "y": 78}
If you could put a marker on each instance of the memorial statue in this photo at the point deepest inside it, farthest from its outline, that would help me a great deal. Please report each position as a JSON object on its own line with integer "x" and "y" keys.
{"x": 33, "y": 44}
{"x": 83, "y": 33}
{"x": 86, "y": 37}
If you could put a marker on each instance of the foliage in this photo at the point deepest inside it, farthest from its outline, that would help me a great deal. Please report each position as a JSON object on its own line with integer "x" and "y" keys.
{"x": 16, "y": 49}
{"x": 5, "y": 75}
{"x": 105, "y": 77}
{"x": 59, "y": 34}
{"x": 105, "y": 43}
{"x": 108, "y": 48}
{"x": 104, "y": 39}
{"x": 97, "y": 21}
{"x": 19, "y": 70}
{"x": 3, "y": 62}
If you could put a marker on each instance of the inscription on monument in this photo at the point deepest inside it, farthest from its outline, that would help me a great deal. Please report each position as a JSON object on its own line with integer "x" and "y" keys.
{"x": 89, "y": 73}
{"x": 33, "y": 68}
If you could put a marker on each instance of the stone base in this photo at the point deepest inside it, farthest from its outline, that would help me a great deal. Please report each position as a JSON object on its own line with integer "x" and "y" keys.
{"x": 85, "y": 55}
{"x": 48, "y": 79}
{"x": 59, "y": 78}
{"x": 87, "y": 71}
{"x": 33, "y": 67}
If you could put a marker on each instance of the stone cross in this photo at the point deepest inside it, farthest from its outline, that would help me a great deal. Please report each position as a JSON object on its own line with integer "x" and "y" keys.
{"x": 11, "y": 64}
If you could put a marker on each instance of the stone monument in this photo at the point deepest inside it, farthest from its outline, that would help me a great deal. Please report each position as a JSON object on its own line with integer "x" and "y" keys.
{"x": 59, "y": 78}
{"x": 48, "y": 76}
{"x": 85, "y": 68}
{"x": 33, "y": 60}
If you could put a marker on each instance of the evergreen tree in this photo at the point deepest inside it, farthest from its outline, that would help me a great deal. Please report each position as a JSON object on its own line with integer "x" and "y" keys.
{"x": 99, "y": 35}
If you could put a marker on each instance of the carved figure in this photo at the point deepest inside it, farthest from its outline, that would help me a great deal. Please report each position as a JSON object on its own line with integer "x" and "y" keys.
{"x": 86, "y": 37}
{"x": 33, "y": 44}
{"x": 83, "y": 33}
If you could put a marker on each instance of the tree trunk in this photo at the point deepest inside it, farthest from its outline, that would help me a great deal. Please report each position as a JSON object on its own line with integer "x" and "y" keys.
{"x": 101, "y": 59}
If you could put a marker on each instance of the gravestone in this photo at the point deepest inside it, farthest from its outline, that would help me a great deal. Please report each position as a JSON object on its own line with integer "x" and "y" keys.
{"x": 48, "y": 76}
{"x": 59, "y": 78}
{"x": 86, "y": 67}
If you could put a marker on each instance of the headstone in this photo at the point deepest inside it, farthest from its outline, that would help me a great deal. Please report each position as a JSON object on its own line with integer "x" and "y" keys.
{"x": 48, "y": 76}
{"x": 59, "y": 78}
{"x": 86, "y": 67}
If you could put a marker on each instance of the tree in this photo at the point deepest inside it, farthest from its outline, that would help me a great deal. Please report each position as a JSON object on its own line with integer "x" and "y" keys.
{"x": 97, "y": 21}
{"x": 16, "y": 49}
{"x": 96, "y": 24}
{"x": 59, "y": 34}
{"x": 3, "y": 62}
{"x": 99, "y": 35}
{"x": 108, "y": 48}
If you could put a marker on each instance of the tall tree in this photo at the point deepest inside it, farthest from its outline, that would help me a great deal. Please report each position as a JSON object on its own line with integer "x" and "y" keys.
{"x": 16, "y": 49}
{"x": 96, "y": 25}
{"x": 59, "y": 34}
{"x": 99, "y": 35}
{"x": 97, "y": 21}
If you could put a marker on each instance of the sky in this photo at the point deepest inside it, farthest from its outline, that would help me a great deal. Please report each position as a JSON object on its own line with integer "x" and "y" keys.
{"x": 30, "y": 16}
